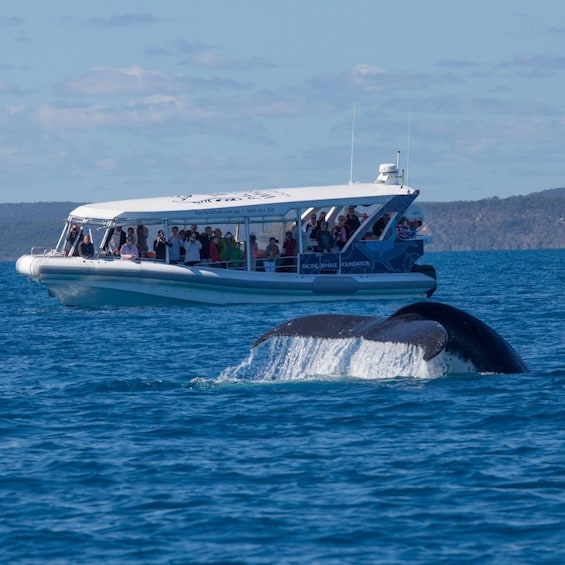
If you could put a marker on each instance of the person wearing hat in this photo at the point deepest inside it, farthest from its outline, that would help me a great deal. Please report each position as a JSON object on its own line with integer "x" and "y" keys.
{"x": 272, "y": 253}
{"x": 129, "y": 250}
{"x": 289, "y": 253}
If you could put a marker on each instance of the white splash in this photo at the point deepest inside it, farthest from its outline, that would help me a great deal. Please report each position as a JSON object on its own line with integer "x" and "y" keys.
{"x": 301, "y": 358}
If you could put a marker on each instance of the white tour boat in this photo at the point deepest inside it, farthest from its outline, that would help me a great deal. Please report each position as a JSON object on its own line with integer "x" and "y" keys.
{"x": 378, "y": 260}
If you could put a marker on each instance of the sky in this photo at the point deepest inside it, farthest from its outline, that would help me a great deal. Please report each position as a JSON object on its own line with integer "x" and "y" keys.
{"x": 119, "y": 99}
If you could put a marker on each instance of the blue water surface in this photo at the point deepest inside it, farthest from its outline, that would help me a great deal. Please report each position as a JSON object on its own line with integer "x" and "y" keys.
{"x": 123, "y": 441}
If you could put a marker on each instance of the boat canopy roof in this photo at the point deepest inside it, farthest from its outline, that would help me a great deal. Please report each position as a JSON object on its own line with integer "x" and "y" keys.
{"x": 257, "y": 205}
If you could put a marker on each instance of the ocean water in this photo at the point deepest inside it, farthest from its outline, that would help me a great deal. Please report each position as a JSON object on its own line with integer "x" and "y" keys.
{"x": 154, "y": 435}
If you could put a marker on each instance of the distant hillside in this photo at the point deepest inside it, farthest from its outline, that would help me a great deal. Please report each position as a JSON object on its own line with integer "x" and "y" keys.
{"x": 23, "y": 226}
{"x": 535, "y": 221}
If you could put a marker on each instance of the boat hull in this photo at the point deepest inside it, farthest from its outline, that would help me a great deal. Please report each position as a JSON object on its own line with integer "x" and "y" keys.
{"x": 109, "y": 282}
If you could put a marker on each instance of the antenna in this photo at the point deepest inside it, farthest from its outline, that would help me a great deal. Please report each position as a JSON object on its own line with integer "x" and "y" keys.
{"x": 352, "y": 146}
{"x": 408, "y": 153}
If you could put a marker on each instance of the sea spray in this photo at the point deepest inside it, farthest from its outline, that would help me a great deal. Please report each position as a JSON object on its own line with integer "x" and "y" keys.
{"x": 290, "y": 358}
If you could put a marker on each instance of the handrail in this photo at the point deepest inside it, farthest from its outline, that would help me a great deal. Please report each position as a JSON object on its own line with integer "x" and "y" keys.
{"x": 44, "y": 251}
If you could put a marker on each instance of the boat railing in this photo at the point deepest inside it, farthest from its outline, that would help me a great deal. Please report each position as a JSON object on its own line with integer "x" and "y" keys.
{"x": 287, "y": 264}
{"x": 305, "y": 263}
{"x": 45, "y": 251}
{"x": 234, "y": 265}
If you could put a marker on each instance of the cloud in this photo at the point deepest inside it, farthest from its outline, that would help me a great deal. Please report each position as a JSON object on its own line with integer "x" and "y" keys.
{"x": 178, "y": 47}
{"x": 536, "y": 62}
{"x": 457, "y": 64}
{"x": 212, "y": 60}
{"x": 11, "y": 21}
{"x": 103, "y": 81}
{"x": 139, "y": 113}
{"x": 203, "y": 56}
{"x": 106, "y": 81}
{"x": 364, "y": 80}
{"x": 16, "y": 25}
{"x": 12, "y": 89}
{"x": 78, "y": 117}
{"x": 123, "y": 20}
{"x": 158, "y": 51}
{"x": 185, "y": 47}
{"x": 282, "y": 103}
{"x": 471, "y": 106}
{"x": 172, "y": 113}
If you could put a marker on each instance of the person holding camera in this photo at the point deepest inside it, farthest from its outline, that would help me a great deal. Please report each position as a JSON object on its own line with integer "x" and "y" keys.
{"x": 192, "y": 247}
{"x": 160, "y": 246}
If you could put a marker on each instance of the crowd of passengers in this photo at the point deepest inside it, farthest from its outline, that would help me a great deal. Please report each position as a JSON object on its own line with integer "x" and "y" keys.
{"x": 191, "y": 247}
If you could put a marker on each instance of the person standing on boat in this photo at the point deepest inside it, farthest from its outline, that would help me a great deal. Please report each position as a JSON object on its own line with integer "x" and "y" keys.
{"x": 380, "y": 225}
{"x": 160, "y": 246}
{"x": 352, "y": 221}
{"x": 272, "y": 253}
{"x": 237, "y": 257}
{"x": 85, "y": 247}
{"x": 192, "y": 247}
{"x": 253, "y": 250}
{"x": 131, "y": 233}
{"x": 129, "y": 250}
{"x": 73, "y": 238}
{"x": 205, "y": 237}
{"x": 215, "y": 257}
{"x": 289, "y": 253}
{"x": 142, "y": 235}
{"x": 227, "y": 248}
{"x": 321, "y": 219}
{"x": 324, "y": 238}
{"x": 403, "y": 229}
{"x": 116, "y": 238}
{"x": 339, "y": 233}
{"x": 174, "y": 245}
{"x": 311, "y": 231}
